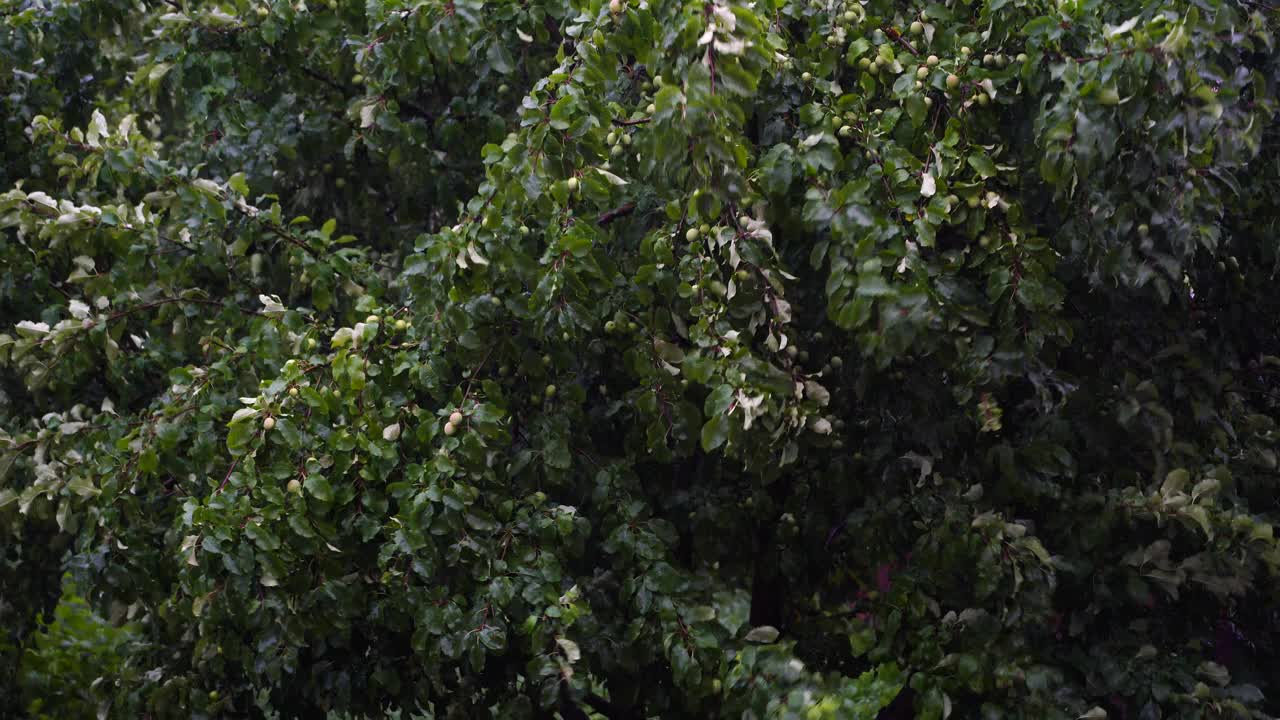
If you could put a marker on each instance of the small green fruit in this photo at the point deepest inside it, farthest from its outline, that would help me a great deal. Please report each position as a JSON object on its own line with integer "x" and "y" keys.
{"x": 524, "y": 230}
{"x": 806, "y": 77}
{"x": 917, "y": 28}
{"x": 836, "y": 362}
{"x": 455, "y": 417}
{"x": 293, "y": 392}
{"x": 546, "y": 359}
{"x": 357, "y": 79}
{"x": 864, "y": 63}
{"x": 294, "y": 487}
{"x": 953, "y": 81}
{"x": 610, "y": 326}
{"x": 984, "y": 99}
{"x": 651, "y": 109}
{"x": 611, "y": 139}
{"x": 372, "y": 319}
{"x": 932, "y": 61}
{"x": 550, "y": 391}
{"x": 572, "y": 184}
{"x": 742, "y": 276}
{"x": 401, "y": 324}
{"x": 450, "y": 428}
{"x": 922, "y": 73}
{"x": 268, "y": 423}
{"x": 691, "y": 234}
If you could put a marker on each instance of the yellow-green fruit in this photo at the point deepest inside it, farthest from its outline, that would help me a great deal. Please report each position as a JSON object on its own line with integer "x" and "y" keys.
{"x": 953, "y": 81}
{"x": 340, "y": 183}
{"x": 294, "y": 486}
{"x": 806, "y": 77}
{"x": 836, "y": 362}
{"x": 626, "y": 139}
{"x": 401, "y": 324}
{"x": 450, "y": 428}
{"x": 651, "y": 109}
{"x": 293, "y": 392}
{"x": 928, "y": 101}
{"x": 917, "y": 28}
{"x": 572, "y": 184}
{"x": 546, "y": 359}
{"x": 357, "y": 79}
{"x": 704, "y": 228}
{"x": 550, "y": 391}
{"x": 615, "y": 6}
{"x": 263, "y": 12}
{"x": 974, "y": 201}
{"x": 742, "y": 276}
{"x": 372, "y": 319}
{"x": 850, "y": 16}
{"x": 311, "y": 342}
{"x": 864, "y": 63}
{"x": 922, "y": 73}
{"x": 455, "y": 417}
{"x": 268, "y": 423}
{"x": 691, "y": 234}
{"x": 984, "y": 99}
{"x": 611, "y": 138}
{"x": 524, "y": 230}
{"x": 932, "y": 61}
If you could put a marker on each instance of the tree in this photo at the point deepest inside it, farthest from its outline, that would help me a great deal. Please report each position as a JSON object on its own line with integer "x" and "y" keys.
{"x": 646, "y": 359}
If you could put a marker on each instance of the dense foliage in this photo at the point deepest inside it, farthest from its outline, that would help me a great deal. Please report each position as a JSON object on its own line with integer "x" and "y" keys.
{"x": 640, "y": 358}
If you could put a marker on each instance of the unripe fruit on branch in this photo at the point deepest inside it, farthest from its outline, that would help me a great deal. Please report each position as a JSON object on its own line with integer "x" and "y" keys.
{"x": 294, "y": 487}
{"x": 917, "y": 28}
{"x": 615, "y": 6}
{"x": 550, "y": 391}
{"x": 572, "y": 184}
{"x": 450, "y": 428}
{"x": 268, "y": 423}
{"x": 293, "y": 392}
{"x": 953, "y": 81}
{"x": 455, "y": 417}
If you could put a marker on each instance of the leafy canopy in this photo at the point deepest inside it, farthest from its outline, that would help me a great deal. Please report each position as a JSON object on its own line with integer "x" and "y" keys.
{"x": 643, "y": 358}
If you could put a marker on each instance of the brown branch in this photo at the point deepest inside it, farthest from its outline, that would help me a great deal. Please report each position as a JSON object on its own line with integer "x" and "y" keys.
{"x": 629, "y": 123}
{"x": 611, "y": 215}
